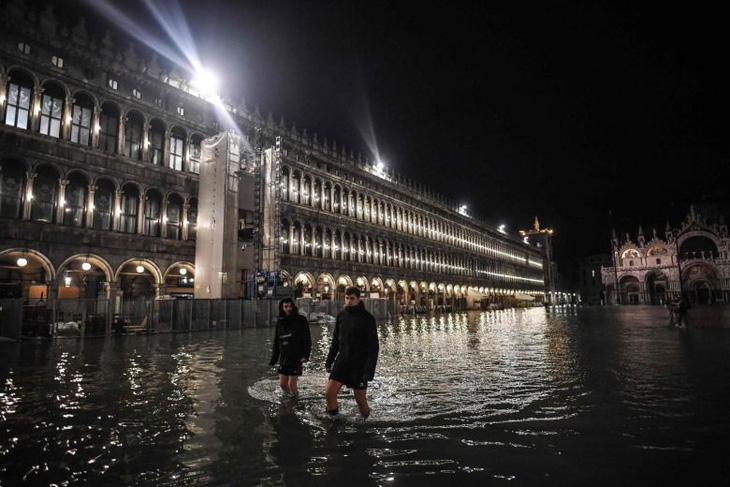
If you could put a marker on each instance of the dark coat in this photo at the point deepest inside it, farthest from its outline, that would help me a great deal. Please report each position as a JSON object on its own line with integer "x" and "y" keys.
{"x": 355, "y": 344}
{"x": 292, "y": 340}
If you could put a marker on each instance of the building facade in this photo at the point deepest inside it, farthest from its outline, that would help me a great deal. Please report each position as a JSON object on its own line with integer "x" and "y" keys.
{"x": 589, "y": 278}
{"x": 100, "y": 154}
{"x": 692, "y": 259}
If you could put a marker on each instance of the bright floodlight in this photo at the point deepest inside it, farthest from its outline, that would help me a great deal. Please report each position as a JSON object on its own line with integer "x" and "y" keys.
{"x": 380, "y": 165}
{"x": 206, "y": 82}
{"x": 22, "y": 262}
{"x": 502, "y": 228}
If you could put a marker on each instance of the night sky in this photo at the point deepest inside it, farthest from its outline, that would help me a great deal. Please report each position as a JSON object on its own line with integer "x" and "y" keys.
{"x": 560, "y": 110}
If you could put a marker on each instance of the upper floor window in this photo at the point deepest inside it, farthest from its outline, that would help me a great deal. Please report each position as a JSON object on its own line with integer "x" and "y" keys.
{"x": 159, "y": 102}
{"x": 81, "y": 120}
{"x": 181, "y": 111}
{"x": 659, "y": 261}
{"x": 112, "y": 83}
{"x": 24, "y": 48}
{"x": 51, "y": 111}
{"x": 133, "y": 136}
{"x": 631, "y": 263}
{"x": 108, "y": 128}
{"x": 177, "y": 142}
{"x": 156, "y": 142}
{"x": 195, "y": 153}
{"x": 57, "y": 61}
{"x": 17, "y": 113}
{"x": 136, "y": 93}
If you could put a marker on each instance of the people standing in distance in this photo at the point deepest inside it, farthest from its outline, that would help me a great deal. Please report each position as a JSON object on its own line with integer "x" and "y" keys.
{"x": 353, "y": 353}
{"x": 292, "y": 345}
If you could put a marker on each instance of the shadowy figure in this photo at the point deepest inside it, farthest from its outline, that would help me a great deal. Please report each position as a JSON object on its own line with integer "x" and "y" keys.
{"x": 292, "y": 345}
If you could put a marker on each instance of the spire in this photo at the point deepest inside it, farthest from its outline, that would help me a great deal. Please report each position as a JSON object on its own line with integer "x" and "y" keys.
{"x": 537, "y": 224}
{"x": 641, "y": 236}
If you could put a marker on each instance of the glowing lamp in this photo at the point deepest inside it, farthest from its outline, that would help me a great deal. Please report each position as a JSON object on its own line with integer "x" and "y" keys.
{"x": 183, "y": 271}
{"x": 140, "y": 269}
{"x": 22, "y": 262}
{"x": 86, "y": 266}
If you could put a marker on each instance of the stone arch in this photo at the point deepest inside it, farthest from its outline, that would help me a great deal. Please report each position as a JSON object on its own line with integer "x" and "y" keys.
{"x": 325, "y": 285}
{"x": 702, "y": 282}
{"x": 42, "y": 260}
{"x": 657, "y": 286}
{"x": 179, "y": 278}
{"x": 147, "y": 264}
{"x": 630, "y": 286}
{"x": 303, "y": 284}
{"x": 99, "y": 269}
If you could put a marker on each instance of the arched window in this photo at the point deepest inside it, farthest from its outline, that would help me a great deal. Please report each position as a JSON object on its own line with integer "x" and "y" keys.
{"x": 318, "y": 250}
{"x": 177, "y": 144}
{"x": 337, "y": 246}
{"x": 109, "y": 128}
{"x": 328, "y": 244}
{"x": 307, "y": 244}
{"x": 51, "y": 110}
{"x": 296, "y": 239}
{"x": 130, "y": 209}
{"x": 336, "y": 200}
{"x": 19, "y": 96}
{"x": 76, "y": 194}
{"x": 193, "y": 219}
{"x": 346, "y": 247}
{"x": 81, "y": 116}
{"x": 12, "y": 184}
{"x": 45, "y": 191}
{"x": 306, "y": 189}
{"x": 285, "y": 183}
{"x": 317, "y": 196}
{"x": 195, "y": 153}
{"x": 327, "y": 201}
{"x": 152, "y": 214}
{"x": 133, "y": 136}
{"x": 295, "y": 184}
{"x": 103, "y": 205}
{"x": 157, "y": 142}
{"x": 174, "y": 217}
{"x": 345, "y": 201}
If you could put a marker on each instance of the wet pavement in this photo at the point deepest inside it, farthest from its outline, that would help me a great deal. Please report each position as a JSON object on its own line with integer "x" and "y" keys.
{"x": 587, "y": 396}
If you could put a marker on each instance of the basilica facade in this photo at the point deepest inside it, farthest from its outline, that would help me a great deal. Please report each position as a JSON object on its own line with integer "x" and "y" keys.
{"x": 692, "y": 259}
{"x": 100, "y": 154}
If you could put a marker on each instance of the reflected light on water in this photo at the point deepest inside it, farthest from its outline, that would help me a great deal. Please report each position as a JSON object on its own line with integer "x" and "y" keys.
{"x": 526, "y": 396}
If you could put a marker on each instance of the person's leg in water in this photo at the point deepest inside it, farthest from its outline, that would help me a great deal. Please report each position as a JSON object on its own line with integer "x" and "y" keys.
{"x": 284, "y": 383}
{"x": 293, "y": 385}
{"x": 362, "y": 402}
{"x": 330, "y": 394}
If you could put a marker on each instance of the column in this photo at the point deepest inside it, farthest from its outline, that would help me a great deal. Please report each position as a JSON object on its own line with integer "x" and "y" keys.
{"x": 66, "y": 119}
{"x": 95, "y": 127}
{"x": 185, "y": 209}
{"x": 90, "y": 206}
{"x": 3, "y": 95}
{"x": 120, "y": 134}
{"x": 163, "y": 227}
{"x": 186, "y": 156}
{"x": 61, "y": 206}
{"x": 145, "y": 141}
{"x": 291, "y": 238}
{"x": 28, "y": 199}
{"x": 140, "y": 213}
{"x": 166, "y": 150}
{"x": 117, "y": 209}
{"x": 35, "y": 110}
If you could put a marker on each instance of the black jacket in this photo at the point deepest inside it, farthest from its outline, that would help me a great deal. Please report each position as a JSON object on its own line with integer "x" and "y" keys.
{"x": 292, "y": 340}
{"x": 354, "y": 342}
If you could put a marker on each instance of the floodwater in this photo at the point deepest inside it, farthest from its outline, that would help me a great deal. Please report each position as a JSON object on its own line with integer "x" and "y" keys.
{"x": 588, "y": 396}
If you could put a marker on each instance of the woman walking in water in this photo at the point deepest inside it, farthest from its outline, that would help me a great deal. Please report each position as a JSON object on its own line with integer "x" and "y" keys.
{"x": 292, "y": 345}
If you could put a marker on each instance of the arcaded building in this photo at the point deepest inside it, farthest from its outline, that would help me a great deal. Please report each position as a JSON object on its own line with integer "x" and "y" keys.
{"x": 692, "y": 259}
{"x": 100, "y": 154}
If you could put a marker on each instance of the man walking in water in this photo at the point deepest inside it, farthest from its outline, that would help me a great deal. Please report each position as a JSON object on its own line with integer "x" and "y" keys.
{"x": 353, "y": 353}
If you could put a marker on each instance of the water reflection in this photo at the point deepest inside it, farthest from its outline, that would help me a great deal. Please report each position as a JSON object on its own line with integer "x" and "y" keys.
{"x": 595, "y": 396}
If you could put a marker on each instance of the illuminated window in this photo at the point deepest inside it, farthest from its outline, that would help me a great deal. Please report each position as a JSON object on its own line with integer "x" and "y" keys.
{"x": 181, "y": 111}
{"x": 112, "y": 83}
{"x": 24, "y": 48}
{"x": 57, "y": 61}
{"x": 176, "y": 150}
{"x": 18, "y": 105}
{"x": 51, "y": 112}
{"x": 136, "y": 93}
